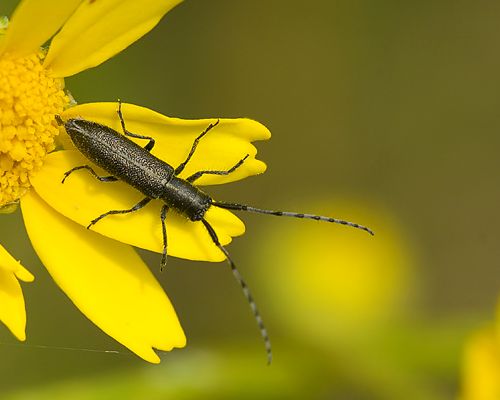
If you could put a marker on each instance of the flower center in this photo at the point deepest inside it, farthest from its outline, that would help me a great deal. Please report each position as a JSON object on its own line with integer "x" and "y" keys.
{"x": 29, "y": 99}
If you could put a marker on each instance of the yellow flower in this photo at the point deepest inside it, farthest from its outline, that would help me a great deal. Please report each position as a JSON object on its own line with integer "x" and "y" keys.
{"x": 481, "y": 364}
{"x": 337, "y": 284}
{"x": 103, "y": 277}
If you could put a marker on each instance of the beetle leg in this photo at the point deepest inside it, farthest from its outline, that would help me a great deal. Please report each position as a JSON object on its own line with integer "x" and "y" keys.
{"x": 198, "y": 174}
{"x": 163, "y": 216}
{"x": 151, "y": 143}
{"x": 182, "y": 165}
{"x": 138, "y": 206}
{"x": 88, "y": 168}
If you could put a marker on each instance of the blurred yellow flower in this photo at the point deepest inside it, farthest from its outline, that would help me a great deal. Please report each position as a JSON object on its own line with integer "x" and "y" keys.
{"x": 329, "y": 284}
{"x": 481, "y": 364}
{"x": 104, "y": 278}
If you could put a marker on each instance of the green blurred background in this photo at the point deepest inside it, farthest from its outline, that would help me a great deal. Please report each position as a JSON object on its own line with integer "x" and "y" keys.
{"x": 385, "y": 113}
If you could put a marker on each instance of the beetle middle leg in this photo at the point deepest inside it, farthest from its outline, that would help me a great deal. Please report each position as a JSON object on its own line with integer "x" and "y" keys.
{"x": 182, "y": 165}
{"x": 151, "y": 143}
{"x": 198, "y": 174}
{"x": 164, "y": 211}
{"x": 88, "y": 168}
{"x": 138, "y": 206}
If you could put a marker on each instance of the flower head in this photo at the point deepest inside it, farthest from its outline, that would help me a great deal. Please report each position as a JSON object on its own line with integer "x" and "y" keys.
{"x": 29, "y": 99}
{"x": 31, "y": 77}
{"x": 99, "y": 271}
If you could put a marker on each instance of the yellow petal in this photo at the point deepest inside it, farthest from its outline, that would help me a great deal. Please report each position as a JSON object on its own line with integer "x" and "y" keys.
{"x": 12, "y": 308}
{"x": 105, "y": 279}
{"x": 82, "y": 198}
{"x": 34, "y": 22}
{"x": 100, "y": 29}
{"x": 220, "y": 149}
{"x": 9, "y": 263}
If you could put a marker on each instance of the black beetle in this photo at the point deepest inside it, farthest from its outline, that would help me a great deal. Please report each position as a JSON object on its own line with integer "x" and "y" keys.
{"x": 127, "y": 161}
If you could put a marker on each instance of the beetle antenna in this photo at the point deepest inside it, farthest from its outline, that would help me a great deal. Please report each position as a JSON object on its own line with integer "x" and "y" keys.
{"x": 246, "y": 291}
{"x": 242, "y": 207}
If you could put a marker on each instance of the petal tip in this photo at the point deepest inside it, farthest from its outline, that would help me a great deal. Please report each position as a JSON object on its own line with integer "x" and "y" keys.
{"x": 24, "y": 275}
{"x": 146, "y": 352}
{"x": 153, "y": 358}
{"x": 18, "y": 329}
{"x": 260, "y": 167}
{"x": 182, "y": 341}
{"x": 259, "y": 130}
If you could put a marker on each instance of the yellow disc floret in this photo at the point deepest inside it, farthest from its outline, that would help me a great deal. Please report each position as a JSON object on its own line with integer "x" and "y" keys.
{"x": 29, "y": 99}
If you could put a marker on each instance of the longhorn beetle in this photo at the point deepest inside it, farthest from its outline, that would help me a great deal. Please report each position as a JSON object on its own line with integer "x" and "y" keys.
{"x": 127, "y": 161}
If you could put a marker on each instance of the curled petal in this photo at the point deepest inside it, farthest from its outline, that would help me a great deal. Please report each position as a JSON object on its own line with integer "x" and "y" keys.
{"x": 82, "y": 198}
{"x": 100, "y": 29}
{"x": 12, "y": 308}
{"x": 34, "y": 22}
{"x": 105, "y": 279}
{"x": 220, "y": 149}
{"x": 9, "y": 263}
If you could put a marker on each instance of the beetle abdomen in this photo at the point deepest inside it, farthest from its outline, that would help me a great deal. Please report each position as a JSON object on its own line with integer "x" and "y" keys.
{"x": 120, "y": 156}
